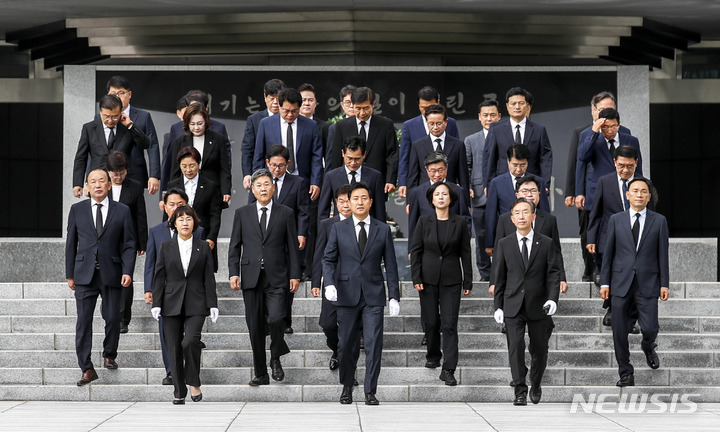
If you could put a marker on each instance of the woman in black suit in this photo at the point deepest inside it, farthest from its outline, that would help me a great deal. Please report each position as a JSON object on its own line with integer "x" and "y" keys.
{"x": 441, "y": 268}
{"x": 184, "y": 294}
{"x": 211, "y": 146}
{"x": 203, "y": 195}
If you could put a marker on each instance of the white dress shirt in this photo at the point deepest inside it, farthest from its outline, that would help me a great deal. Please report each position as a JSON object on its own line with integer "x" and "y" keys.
{"x": 199, "y": 144}
{"x": 427, "y": 128}
{"x": 529, "y": 243}
{"x": 358, "y": 174}
{"x": 259, "y": 211}
{"x": 116, "y": 191}
{"x": 513, "y": 126}
{"x": 185, "y": 252}
{"x": 283, "y": 135}
{"x": 357, "y": 226}
{"x": 367, "y": 126}
{"x": 434, "y": 139}
{"x": 279, "y": 182}
{"x": 620, "y": 188}
{"x": 104, "y": 210}
{"x": 643, "y": 218}
{"x": 107, "y": 132}
{"x": 190, "y": 188}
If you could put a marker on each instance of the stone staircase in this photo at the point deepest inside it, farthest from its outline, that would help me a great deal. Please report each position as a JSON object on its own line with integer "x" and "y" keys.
{"x": 38, "y": 362}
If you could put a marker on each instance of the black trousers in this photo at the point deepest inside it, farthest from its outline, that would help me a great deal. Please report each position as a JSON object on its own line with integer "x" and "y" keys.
{"x": 444, "y": 321}
{"x": 182, "y": 334}
{"x": 328, "y": 322}
{"x": 85, "y": 300}
{"x": 126, "y": 304}
{"x": 482, "y": 259}
{"x": 163, "y": 346}
{"x": 647, "y": 310}
{"x": 539, "y": 332}
{"x": 583, "y": 221}
{"x": 264, "y": 297}
{"x": 349, "y": 319}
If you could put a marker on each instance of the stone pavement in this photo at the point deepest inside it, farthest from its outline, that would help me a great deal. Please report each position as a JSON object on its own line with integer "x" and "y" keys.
{"x": 331, "y": 417}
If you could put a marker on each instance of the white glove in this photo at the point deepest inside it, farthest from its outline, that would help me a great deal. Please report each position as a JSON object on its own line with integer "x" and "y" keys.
{"x": 331, "y": 293}
{"x": 155, "y": 313}
{"x": 499, "y": 316}
{"x": 214, "y": 314}
{"x": 394, "y": 307}
{"x": 553, "y": 307}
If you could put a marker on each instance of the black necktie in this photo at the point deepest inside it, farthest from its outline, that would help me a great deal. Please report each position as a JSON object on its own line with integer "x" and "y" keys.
{"x": 624, "y": 197}
{"x": 98, "y": 219}
{"x": 353, "y": 174}
{"x": 277, "y": 192}
{"x": 362, "y": 133}
{"x": 291, "y": 148}
{"x": 636, "y": 229}
{"x": 525, "y": 254}
{"x": 263, "y": 221}
{"x": 518, "y": 138}
{"x": 611, "y": 148}
{"x": 111, "y": 138}
{"x": 362, "y": 237}
{"x": 439, "y": 146}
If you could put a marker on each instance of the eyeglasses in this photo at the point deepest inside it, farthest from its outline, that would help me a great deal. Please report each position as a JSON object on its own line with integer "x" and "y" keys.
{"x": 433, "y": 125}
{"x": 623, "y": 166}
{"x": 434, "y": 171}
{"x": 524, "y": 191}
{"x": 113, "y": 118}
{"x": 346, "y": 103}
{"x": 120, "y": 93}
{"x": 277, "y": 166}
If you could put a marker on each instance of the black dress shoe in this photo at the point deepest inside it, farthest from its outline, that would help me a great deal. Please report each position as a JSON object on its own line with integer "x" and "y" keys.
{"x": 277, "y": 371}
{"x": 449, "y": 377}
{"x": 370, "y": 399}
{"x": 87, "y": 377}
{"x": 289, "y": 330}
{"x": 587, "y": 278}
{"x": 109, "y": 363}
{"x": 334, "y": 363}
{"x": 123, "y": 328}
{"x": 635, "y": 329}
{"x": 520, "y": 400}
{"x": 503, "y": 330}
{"x": 362, "y": 342}
{"x": 196, "y": 398}
{"x": 596, "y": 278}
{"x": 258, "y": 381}
{"x": 652, "y": 358}
{"x": 607, "y": 320}
{"x": 626, "y": 381}
{"x": 423, "y": 342}
{"x": 432, "y": 364}
{"x": 178, "y": 401}
{"x": 202, "y": 345}
{"x": 167, "y": 380}
{"x": 535, "y": 394}
{"x": 355, "y": 383}
{"x": 346, "y": 395}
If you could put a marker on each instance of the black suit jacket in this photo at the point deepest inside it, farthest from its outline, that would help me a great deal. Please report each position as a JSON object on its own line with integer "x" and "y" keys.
{"x": 206, "y": 204}
{"x": 457, "y": 170}
{"x": 114, "y": 247}
{"x": 545, "y": 224}
{"x": 294, "y": 194}
{"x": 337, "y": 177}
{"x": 419, "y": 205}
{"x": 93, "y": 144}
{"x": 449, "y": 262}
{"x": 214, "y": 165}
{"x": 324, "y": 127}
{"x": 323, "y": 233}
{"x": 278, "y": 249}
{"x": 176, "y": 293}
{"x": 381, "y": 153}
{"x": 515, "y": 285}
{"x": 248, "y": 142}
{"x": 133, "y": 196}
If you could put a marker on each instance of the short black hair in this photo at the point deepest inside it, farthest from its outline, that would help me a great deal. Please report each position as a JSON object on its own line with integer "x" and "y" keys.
{"x": 520, "y": 201}
{"x": 116, "y": 161}
{"x": 197, "y": 96}
{"x": 609, "y": 114}
{"x": 602, "y": 95}
{"x": 184, "y": 210}
{"x": 487, "y": 103}
{"x": 110, "y": 102}
{"x": 290, "y": 95}
{"x": 626, "y": 151}
{"x": 175, "y": 191}
{"x": 428, "y": 93}
{"x": 519, "y": 91}
{"x": 118, "y": 82}
{"x": 528, "y": 178}
{"x": 436, "y": 109}
{"x": 519, "y": 152}
{"x": 343, "y": 190}
{"x": 307, "y": 87}
{"x": 189, "y": 152}
{"x": 360, "y": 185}
{"x": 642, "y": 179}
{"x": 273, "y": 87}
{"x": 277, "y": 150}
{"x": 353, "y": 143}
{"x": 431, "y": 191}
{"x": 363, "y": 94}
{"x": 346, "y": 90}
{"x": 262, "y": 172}
{"x": 181, "y": 103}
{"x": 435, "y": 157}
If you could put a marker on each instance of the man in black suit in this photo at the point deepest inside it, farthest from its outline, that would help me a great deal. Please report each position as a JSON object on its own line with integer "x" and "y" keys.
{"x": 378, "y": 132}
{"x": 328, "y": 310}
{"x": 347, "y": 111}
{"x": 129, "y": 192}
{"x": 635, "y": 270}
{"x": 351, "y": 172}
{"x": 120, "y": 87}
{"x": 99, "y": 260}
{"x": 113, "y": 130}
{"x": 290, "y": 191}
{"x": 263, "y": 260}
{"x": 438, "y": 140}
{"x": 270, "y": 95}
{"x": 518, "y": 129}
{"x": 526, "y": 295}
{"x": 354, "y": 279}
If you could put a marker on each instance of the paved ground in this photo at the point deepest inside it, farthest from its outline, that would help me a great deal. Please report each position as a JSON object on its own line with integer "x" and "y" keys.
{"x": 331, "y": 417}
